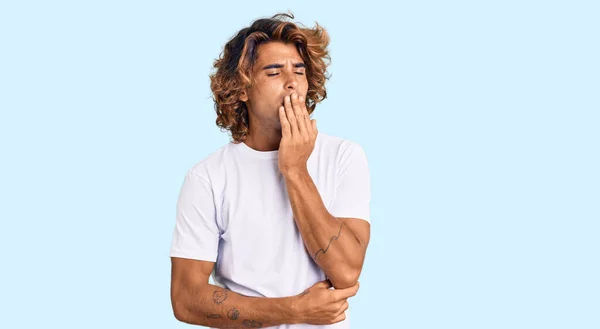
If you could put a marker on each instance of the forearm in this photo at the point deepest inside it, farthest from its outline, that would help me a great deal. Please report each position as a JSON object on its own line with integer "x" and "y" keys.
{"x": 331, "y": 244}
{"x": 216, "y": 307}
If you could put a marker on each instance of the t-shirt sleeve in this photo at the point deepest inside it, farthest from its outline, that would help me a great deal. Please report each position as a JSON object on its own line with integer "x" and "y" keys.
{"x": 196, "y": 233}
{"x": 353, "y": 191}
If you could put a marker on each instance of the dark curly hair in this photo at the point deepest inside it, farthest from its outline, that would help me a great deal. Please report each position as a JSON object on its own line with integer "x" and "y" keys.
{"x": 234, "y": 67}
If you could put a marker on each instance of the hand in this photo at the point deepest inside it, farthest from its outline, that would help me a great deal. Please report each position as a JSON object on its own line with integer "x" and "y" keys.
{"x": 299, "y": 134}
{"x": 321, "y": 305}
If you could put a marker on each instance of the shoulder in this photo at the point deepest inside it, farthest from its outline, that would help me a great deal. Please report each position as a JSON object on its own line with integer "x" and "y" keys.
{"x": 211, "y": 165}
{"x": 338, "y": 146}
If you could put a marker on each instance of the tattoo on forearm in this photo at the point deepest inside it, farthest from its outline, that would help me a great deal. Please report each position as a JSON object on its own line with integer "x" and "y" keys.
{"x": 233, "y": 314}
{"x": 335, "y": 237}
{"x": 252, "y": 324}
{"x": 219, "y": 296}
{"x": 213, "y": 316}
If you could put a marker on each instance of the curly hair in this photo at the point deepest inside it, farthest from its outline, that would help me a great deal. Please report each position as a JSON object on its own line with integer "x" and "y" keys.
{"x": 235, "y": 63}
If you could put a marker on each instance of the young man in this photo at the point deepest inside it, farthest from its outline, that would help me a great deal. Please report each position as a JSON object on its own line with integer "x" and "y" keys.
{"x": 280, "y": 216}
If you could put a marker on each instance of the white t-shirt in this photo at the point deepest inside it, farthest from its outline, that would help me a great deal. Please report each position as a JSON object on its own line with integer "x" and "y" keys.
{"x": 233, "y": 209}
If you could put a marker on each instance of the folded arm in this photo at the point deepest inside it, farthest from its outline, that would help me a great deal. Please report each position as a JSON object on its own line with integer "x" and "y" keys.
{"x": 337, "y": 245}
{"x": 195, "y": 301}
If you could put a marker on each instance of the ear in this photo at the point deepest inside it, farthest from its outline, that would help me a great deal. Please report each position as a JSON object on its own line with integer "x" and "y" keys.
{"x": 244, "y": 96}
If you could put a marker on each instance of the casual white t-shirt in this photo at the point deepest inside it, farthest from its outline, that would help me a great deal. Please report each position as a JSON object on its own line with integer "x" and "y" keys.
{"x": 233, "y": 209}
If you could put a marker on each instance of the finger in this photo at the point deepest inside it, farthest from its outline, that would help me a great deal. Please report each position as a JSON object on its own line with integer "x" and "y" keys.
{"x": 327, "y": 283}
{"x": 285, "y": 124}
{"x": 299, "y": 113}
{"x": 343, "y": 308}
{"x": 312, "y": 123}
{"x": 308, "y": 122}
{"x": 347, "y": 292}
{"x": 289, "y": 113}
{"x": 339, "y": 318}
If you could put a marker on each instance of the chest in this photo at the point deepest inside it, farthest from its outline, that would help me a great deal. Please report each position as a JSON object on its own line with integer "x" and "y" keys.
{"x": 255, "y": 202}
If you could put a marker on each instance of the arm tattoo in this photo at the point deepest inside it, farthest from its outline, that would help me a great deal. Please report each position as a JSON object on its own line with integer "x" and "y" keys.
{"x": 233, "y": 314}
{"x": 335, "y": 237}
{"x": 252, "y": 324}
{"x": 213, "y": 316}
{"x": 219, "y": 296}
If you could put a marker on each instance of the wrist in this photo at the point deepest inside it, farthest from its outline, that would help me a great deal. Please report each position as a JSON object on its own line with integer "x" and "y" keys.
{"x": 294, "y": 173}
{"x": 293, "y": 310}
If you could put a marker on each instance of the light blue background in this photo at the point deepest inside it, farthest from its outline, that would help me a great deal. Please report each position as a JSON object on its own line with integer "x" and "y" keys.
{"x": 480, "y": 121}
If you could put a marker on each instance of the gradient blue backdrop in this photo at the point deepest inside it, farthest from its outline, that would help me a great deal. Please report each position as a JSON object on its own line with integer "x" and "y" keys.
{"x": 480, "y": 121}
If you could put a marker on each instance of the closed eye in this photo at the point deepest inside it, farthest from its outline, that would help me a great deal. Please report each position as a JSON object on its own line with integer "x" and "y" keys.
{"x": 299, "y": 73}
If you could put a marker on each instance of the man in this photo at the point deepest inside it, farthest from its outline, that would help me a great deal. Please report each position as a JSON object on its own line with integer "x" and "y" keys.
{"x": 280, "y": 216}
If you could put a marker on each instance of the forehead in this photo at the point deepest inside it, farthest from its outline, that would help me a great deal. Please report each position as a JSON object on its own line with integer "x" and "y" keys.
{"x": 277, "y": 52}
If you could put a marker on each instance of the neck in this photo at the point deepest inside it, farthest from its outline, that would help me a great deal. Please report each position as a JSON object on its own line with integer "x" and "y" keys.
{"x": 263, "y": 138}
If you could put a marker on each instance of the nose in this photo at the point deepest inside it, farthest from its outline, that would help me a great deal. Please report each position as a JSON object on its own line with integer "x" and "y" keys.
{"x": 291, "y": 82}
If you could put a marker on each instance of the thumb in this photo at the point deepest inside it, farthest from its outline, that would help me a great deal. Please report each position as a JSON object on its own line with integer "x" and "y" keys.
{"x": 327, "y": 283}
{"x": 348, "y": 292}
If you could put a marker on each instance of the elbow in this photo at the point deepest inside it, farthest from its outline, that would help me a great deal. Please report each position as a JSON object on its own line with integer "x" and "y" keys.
{"x": 187, "y": 308}
{"x": 182, "y": 311}
{"x": 179, "y": 311}
{"x": 187, "y": 313}
{"x": 345, "y": 279}
{"x": 177, "y": 303}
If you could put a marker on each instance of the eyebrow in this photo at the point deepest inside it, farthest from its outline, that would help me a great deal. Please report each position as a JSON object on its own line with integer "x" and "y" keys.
{"x": 277, "y": 66}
